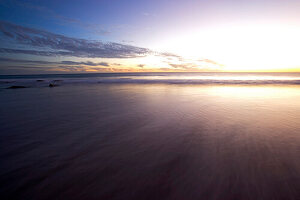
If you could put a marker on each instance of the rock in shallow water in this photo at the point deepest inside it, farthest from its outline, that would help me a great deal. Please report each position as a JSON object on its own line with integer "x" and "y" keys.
{"x": 53, "y": 85}
{"x": 17, "y": 87}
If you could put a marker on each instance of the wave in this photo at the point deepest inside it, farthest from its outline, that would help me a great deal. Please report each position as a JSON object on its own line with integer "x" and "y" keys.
{"x": 143, "y": 80}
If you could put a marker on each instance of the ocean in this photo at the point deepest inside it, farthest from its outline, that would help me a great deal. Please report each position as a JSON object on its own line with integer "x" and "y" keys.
{"x": 150, "y": 136}
{"x": 154, "y": 78}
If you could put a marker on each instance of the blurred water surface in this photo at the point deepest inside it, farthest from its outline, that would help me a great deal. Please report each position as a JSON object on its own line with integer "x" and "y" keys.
{"x": 150, "y": 141}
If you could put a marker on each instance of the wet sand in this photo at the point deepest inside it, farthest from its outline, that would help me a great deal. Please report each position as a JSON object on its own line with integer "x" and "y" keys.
{"x": 150, "y": 141}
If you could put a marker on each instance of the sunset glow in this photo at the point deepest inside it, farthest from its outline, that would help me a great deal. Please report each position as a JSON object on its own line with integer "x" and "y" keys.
{"x": 150, "y": 99}
{"x": 244, "y": 47}
{"x": 192, "y": 36}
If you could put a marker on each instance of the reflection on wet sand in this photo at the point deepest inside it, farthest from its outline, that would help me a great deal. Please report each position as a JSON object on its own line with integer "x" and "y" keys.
{"x": 151, "y": 142}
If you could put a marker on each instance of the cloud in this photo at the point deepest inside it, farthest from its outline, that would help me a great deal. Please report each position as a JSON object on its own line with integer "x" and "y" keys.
{"x": 40, "y": 62}
{"x": 141, "y": 65}
{"x": 202, "y": 65}
{"x": 105, "y": 64}
{"x": 170, "y": 55}
{"x": 12, "y": 66}
{"x": 71, "y": 68}
{"x": 9, "y": 60}
{"x": 16, "y": 39}
{"x": 24, "y": 40}
{"x": 89, "y": 63}
{"x": 183, "y": 66}
{"x": 210, "y": 62}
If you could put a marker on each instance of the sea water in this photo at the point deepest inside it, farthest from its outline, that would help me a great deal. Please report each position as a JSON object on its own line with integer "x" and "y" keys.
{"x": 150, "y": 136}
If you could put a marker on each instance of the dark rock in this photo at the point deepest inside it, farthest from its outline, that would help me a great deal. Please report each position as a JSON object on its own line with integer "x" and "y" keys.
{"x": 53, "y": 85}
{"x": 39, "y": 80}
{"x": 16, "y": 87}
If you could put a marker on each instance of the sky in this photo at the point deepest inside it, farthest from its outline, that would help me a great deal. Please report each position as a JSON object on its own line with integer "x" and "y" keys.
{"x": 76, "y": 36}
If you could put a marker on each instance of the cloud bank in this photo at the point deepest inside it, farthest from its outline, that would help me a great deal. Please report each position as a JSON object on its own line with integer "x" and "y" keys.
{"x": 67, "y": 62}
{"x": 43, "y": 43}
{"x": 17, "y": 41}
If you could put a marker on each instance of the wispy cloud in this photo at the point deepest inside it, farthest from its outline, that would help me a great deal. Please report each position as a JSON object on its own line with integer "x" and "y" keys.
{"x": 194, "y": 65}
{"x": 210, "y": 61}
{"x": 49, "y": 44}
{"x": 39, "y": 62}
{"x": 184, "y": 66}
{"x": 71, "y": 68}
{"x": 88, "y": 63}
{"x": 16, "y": 39}
{"x": 141, "y": 65}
